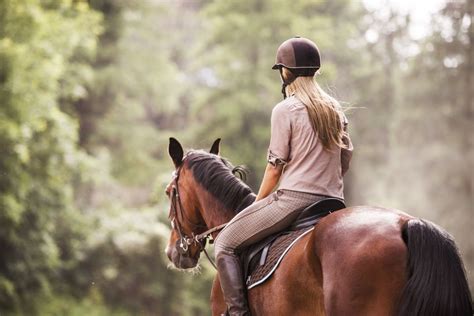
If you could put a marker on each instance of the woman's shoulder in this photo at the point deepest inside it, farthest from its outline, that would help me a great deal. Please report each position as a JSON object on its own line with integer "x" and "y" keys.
{"x": 288, "y": 105}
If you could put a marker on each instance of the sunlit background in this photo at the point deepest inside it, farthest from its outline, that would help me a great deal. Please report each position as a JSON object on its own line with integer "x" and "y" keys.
{"x": 90, "y": 92}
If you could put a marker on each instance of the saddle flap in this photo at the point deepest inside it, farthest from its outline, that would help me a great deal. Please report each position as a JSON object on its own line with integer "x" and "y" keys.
{"x": 255, "y": 251}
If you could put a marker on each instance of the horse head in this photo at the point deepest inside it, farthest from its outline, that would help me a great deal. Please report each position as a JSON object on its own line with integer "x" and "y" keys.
{"x": 187, "y": 222}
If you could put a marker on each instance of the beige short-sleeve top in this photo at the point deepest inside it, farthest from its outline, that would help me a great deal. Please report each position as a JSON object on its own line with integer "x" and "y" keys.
{"x": 308, "y": 167}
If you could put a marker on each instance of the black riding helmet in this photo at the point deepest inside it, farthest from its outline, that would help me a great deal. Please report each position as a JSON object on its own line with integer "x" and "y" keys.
{"x": 300, "y": 56}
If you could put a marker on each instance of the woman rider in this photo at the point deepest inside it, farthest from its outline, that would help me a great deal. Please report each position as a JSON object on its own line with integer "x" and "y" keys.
{"x": 308, "y": 155}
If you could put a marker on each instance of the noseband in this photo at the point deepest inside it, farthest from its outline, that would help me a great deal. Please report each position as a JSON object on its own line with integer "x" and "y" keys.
{"x": 184, "y": 240}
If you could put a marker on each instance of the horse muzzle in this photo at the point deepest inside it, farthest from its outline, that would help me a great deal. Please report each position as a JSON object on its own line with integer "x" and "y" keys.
{"x": 181, "y": 260}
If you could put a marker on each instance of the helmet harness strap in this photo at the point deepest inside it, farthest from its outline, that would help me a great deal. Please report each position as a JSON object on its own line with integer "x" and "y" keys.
{"x": 285, "y": 82}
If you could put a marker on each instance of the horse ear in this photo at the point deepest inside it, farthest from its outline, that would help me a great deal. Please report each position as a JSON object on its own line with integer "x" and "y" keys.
{"x": 176, "y": 152}
{"x": 215, "y": 147}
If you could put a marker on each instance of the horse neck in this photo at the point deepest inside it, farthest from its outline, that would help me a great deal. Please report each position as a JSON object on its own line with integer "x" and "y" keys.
{"x": 214, "y": 213}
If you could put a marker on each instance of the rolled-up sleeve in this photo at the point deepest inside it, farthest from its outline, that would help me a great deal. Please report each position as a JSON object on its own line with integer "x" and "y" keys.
{"x": 346, "y": 153}
{"x": 279, "y": 149}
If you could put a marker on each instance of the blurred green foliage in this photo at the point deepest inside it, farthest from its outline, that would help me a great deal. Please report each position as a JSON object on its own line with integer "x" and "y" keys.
{"x": 41, "y": 44}
{"x": 91, "y": 91}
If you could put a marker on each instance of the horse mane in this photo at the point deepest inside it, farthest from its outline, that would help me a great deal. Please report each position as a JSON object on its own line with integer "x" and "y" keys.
{"x": 219, "y": 177}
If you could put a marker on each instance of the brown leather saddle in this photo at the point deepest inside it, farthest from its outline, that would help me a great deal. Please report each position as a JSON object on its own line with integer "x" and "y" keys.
{"x": 262, "y": 259}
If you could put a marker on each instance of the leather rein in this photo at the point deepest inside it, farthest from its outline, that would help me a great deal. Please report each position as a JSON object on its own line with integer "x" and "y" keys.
{"x": 184, "y": 240}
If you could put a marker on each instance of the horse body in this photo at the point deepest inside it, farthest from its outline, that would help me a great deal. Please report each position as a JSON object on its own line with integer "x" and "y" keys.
{"x": 338, "y": 269}
{"x": 357, "y": 261}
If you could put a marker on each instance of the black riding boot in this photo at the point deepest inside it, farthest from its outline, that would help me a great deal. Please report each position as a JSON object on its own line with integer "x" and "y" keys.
{"x": 232, "y": 284}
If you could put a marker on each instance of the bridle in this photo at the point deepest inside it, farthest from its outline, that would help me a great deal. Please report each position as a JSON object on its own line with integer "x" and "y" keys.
{"x": 177, "y": 211}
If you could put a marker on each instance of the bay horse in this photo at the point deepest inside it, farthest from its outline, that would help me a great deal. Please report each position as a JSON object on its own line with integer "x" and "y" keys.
{"x": 361, "y": 260}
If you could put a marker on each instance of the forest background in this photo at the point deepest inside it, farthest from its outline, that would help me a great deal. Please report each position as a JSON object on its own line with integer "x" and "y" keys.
{"x": 90, "y": 92}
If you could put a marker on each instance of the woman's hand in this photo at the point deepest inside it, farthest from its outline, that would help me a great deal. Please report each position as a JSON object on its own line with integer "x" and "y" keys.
{"x": 270, "y": 180}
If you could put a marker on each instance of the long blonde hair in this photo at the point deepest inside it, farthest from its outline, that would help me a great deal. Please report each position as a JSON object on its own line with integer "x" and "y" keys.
{"x": 324, "y": 111}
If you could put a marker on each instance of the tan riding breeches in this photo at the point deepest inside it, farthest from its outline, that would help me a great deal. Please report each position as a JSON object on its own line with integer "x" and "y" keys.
{"x": 263, "y": 218}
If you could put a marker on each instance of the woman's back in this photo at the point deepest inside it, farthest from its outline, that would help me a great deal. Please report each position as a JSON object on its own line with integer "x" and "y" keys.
{"x": 309, "y": 166}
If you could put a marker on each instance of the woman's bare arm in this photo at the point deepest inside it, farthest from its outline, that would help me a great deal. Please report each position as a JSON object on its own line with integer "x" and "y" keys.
{"x": 270, "y": 180}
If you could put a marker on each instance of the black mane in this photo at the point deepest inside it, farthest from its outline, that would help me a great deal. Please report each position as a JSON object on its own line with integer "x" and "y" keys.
{"x": 218, "y": 176}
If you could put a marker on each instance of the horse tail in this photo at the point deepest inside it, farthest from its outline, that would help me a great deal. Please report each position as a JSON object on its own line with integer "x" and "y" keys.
{"x": 437, "y": 283}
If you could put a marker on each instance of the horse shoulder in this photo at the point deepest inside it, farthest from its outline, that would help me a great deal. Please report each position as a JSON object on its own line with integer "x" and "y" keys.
{"x": 218, "y": 305}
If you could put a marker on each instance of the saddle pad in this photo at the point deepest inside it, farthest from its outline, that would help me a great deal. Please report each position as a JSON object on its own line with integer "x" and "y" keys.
{"x": 276, "y": 253}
